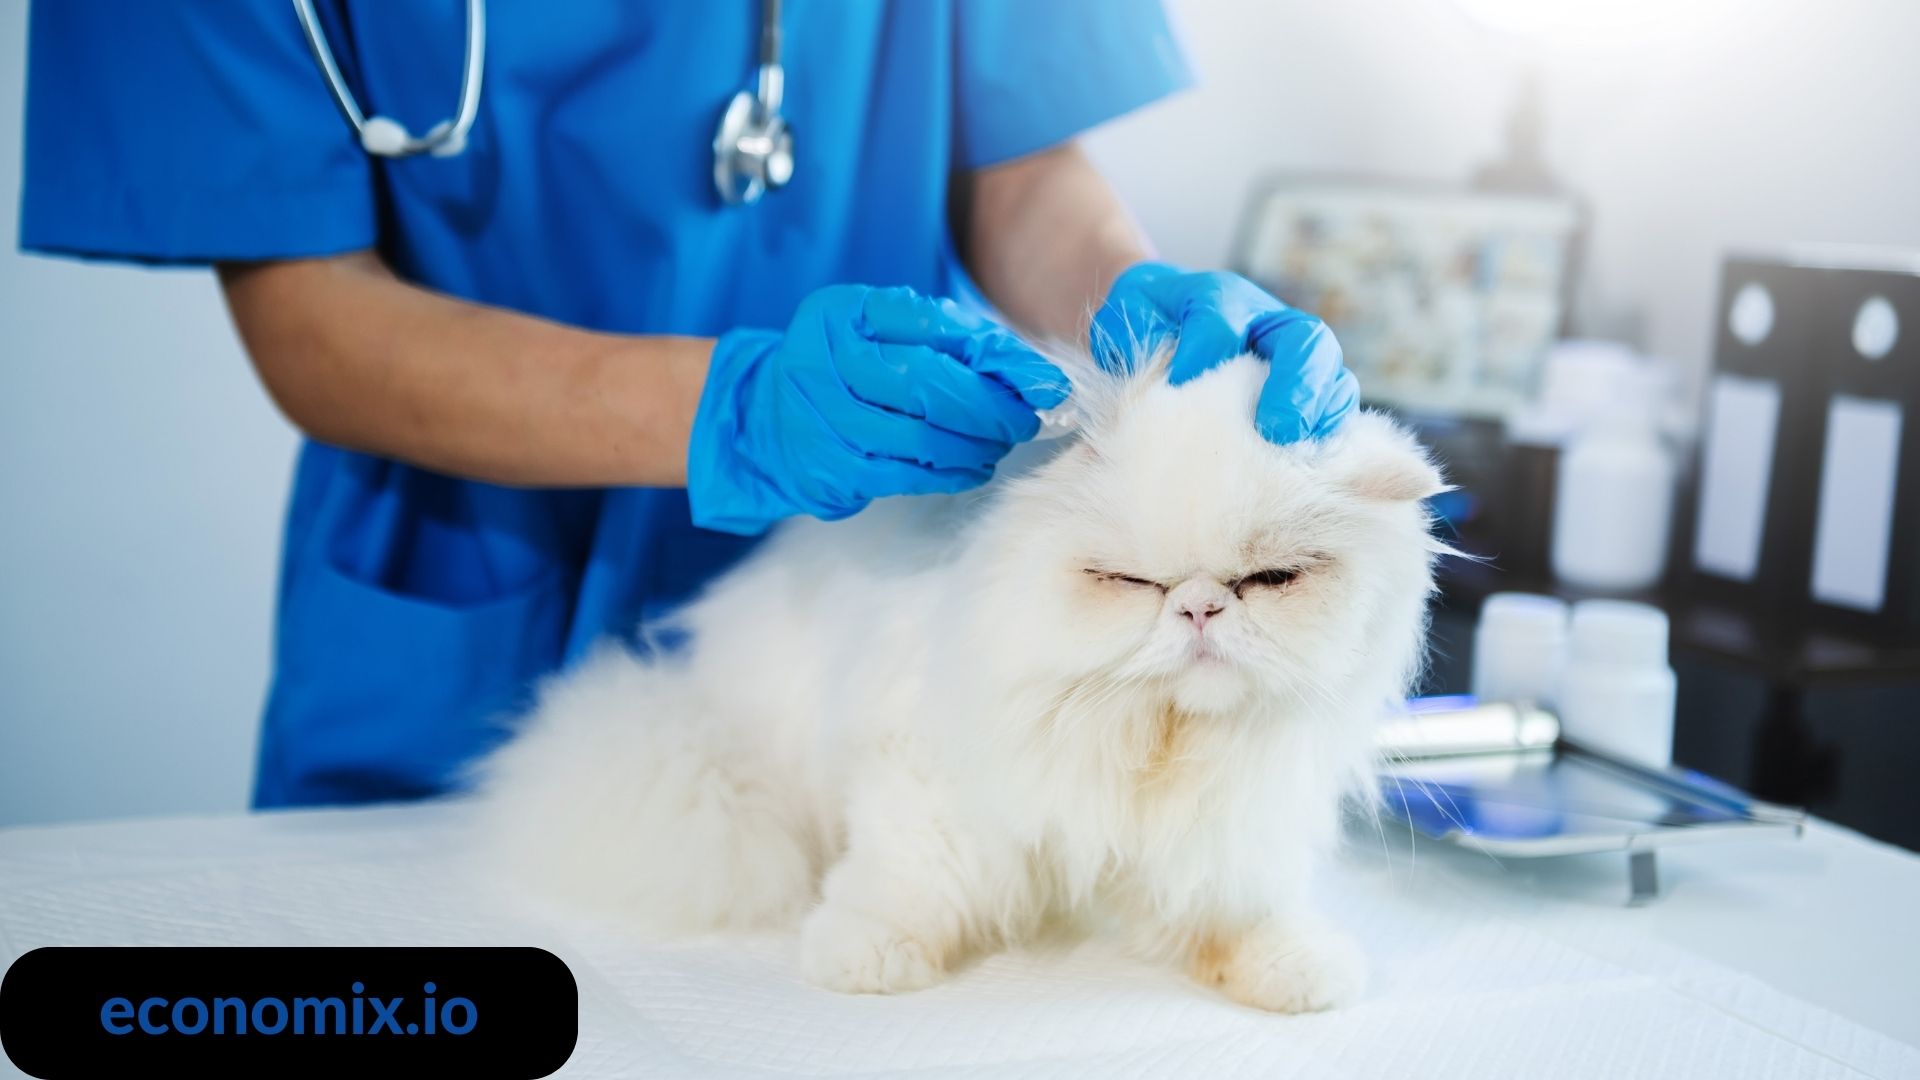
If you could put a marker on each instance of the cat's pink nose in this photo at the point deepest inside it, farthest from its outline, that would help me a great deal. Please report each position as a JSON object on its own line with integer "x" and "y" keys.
{"x": 1200, "y": 611}
{"x": 1198, "y": 599}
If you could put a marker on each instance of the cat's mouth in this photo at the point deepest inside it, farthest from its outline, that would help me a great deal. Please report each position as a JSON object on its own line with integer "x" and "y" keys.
{"x": 1205, "y": 655}
{"x": 1211, "y": 682}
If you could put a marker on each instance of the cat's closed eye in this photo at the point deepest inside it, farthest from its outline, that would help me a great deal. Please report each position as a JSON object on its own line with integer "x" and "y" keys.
{"x": 1274, "y": 578}
{"x": 1123, "y": 579}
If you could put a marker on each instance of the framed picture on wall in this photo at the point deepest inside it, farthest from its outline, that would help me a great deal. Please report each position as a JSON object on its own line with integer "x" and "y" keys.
{"x": 1445, "y": 299}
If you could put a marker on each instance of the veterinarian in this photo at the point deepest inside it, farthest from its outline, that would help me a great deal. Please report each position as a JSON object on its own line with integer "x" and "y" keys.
{"x": 573, "y": 304}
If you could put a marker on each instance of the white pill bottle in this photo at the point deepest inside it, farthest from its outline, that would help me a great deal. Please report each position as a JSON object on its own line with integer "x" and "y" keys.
{"x": 1613, "y": 505}
{"x": 1617, "y": 692}
{"x": 1520, "y": 648}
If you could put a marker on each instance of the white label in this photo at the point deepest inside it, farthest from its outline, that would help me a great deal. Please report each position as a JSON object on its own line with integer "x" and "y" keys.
{"x": 1743, "y": 415}
{"x": 1858, "y": 480}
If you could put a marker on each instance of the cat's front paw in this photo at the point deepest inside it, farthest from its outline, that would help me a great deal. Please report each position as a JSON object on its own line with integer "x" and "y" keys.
{"x": 1303, "y": 969}
{"x": 855, "y": 953}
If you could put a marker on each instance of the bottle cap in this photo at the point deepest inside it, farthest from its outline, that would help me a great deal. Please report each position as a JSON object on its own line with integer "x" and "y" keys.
{"x": 1525, "y": 613}
{"x": 1619, "y": 632}
{"x": 1540, "y": 426}
{"x": 1519, "y": 647}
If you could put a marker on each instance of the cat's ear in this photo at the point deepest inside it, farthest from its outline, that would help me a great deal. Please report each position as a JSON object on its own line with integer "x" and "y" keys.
{"x": 1377, "y": 460}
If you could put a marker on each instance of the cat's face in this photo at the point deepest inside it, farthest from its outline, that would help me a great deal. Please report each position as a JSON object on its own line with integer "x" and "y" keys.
{"x": 1174, "y": 552}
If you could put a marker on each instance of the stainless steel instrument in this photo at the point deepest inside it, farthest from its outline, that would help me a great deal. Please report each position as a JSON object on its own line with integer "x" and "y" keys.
{"x": 1500, "y": 778}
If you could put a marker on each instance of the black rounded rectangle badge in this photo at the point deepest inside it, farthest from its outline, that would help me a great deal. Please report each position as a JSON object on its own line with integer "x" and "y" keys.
{"x": 469, "y": 1012}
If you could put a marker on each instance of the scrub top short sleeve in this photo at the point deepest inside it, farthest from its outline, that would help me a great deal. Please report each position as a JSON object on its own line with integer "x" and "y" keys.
{"x": 185, "y": 131}
{"x": 1030, "y": 75}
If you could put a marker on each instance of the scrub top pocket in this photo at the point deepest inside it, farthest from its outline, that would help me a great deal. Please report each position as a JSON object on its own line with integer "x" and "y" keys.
{"x": 416, "y": 612}
{"x": 381, "y": 695}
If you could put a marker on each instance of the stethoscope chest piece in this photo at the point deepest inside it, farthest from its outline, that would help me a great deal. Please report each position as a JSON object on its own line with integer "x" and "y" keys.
{"x": 752, "y": 151}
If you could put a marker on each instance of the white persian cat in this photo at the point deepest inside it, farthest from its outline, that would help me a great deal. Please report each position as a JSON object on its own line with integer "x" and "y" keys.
{"x": 1135, "y": 681}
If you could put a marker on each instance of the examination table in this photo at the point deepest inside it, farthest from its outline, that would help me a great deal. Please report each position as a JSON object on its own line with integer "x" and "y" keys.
{"x": 1767, "y": 958}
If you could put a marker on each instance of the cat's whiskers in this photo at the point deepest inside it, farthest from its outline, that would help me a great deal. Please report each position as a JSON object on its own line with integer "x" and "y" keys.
{"x": 1086, "y": 699}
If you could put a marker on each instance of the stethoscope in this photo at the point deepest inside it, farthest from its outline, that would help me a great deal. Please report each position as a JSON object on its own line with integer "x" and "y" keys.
{"x": 752, "y": 150}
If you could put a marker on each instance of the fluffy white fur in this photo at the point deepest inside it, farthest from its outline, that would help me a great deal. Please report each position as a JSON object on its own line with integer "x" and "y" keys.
{"x": 926, "y": 731}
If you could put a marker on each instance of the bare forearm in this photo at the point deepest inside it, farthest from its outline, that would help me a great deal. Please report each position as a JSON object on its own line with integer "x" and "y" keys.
{"x": 1045, "y": 236}
{"x": 358, "y": 358}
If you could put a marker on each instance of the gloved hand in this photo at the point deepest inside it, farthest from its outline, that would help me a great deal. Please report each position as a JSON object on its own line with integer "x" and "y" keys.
{"x": 868, "y": 392}
{"x": 1218, "y": 316}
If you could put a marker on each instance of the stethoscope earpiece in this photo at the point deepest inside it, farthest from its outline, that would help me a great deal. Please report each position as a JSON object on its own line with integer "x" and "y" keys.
{"x": 446, "y": 140}
{"x": 383, "y": 136}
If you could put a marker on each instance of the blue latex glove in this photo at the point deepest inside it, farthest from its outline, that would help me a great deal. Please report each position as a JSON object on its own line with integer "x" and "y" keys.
{"x": 869, "y": 392}
{"x": 1218, "y": 316}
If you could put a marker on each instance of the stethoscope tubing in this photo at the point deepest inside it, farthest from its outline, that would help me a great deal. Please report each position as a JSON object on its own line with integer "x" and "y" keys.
{"x": 446, "y": 133}
{"x": 752, "y": 128}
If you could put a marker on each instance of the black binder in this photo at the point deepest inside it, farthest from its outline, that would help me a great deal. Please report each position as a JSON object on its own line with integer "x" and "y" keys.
{"x": 1809, "y": 363}
{"x": 1875, "y": 307}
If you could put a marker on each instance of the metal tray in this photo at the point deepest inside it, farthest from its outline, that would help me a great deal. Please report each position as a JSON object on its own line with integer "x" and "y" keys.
{"x": 1500, "y": 778}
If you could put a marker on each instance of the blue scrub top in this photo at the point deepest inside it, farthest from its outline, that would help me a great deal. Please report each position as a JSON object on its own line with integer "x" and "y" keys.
{"x": 416, "y": 609}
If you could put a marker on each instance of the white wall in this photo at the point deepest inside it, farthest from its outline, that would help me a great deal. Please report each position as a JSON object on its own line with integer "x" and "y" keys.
{"x": 142, "y": 472}
{"x": 142, "y": 477}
